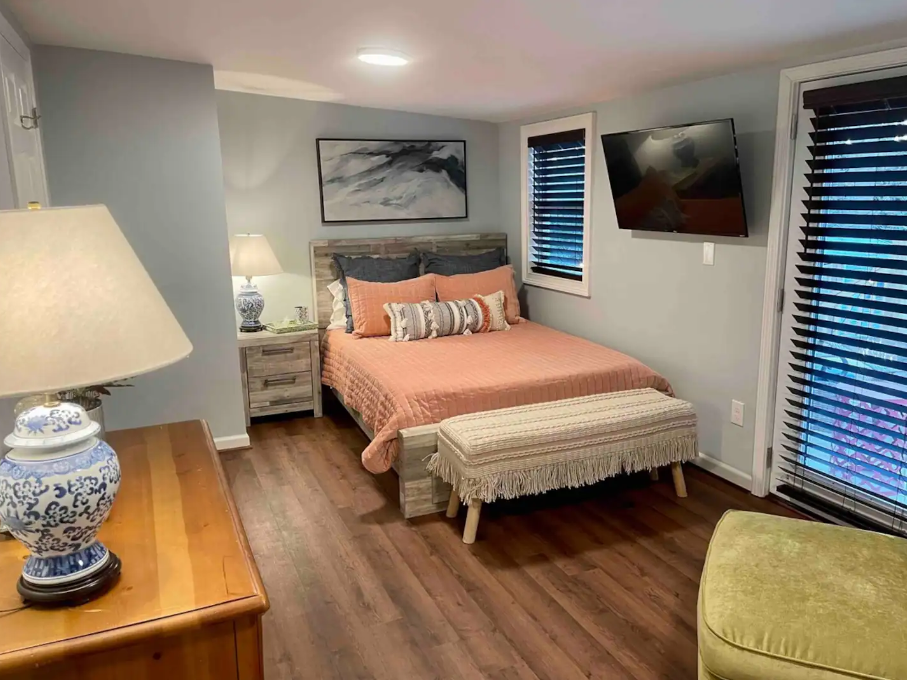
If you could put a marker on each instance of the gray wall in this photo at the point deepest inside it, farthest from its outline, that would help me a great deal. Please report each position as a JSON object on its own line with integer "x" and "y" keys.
{"x": 270, "y": 171}
{"x": 651, "y": 296}
{"x": 140, "y": 135}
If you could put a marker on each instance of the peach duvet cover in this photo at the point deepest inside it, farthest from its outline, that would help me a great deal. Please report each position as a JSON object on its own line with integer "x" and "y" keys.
{"x": 395, "y": 385}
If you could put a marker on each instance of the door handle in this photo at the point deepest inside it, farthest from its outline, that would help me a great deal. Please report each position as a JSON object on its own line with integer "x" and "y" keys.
{"x": 34, "y": 117}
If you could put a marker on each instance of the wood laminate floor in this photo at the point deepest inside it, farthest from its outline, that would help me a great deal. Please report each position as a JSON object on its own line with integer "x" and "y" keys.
{"x": 600, "y": 583}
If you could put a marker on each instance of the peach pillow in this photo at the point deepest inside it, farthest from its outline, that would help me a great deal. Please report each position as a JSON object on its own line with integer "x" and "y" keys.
{"x": 462, "y": 286}
{"x": 367, "y": 302}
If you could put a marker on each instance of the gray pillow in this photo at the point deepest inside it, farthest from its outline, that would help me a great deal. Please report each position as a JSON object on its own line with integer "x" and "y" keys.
{"x": 374, "y": 269}
{"x": 450, "y": 265}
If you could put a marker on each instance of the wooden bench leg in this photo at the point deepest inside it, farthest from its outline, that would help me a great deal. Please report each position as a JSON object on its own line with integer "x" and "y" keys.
{"x": 653, "y": 474}
{"x": 453, "y": 505}
{"x": 472, "y": 521}
{"x": 680, "y": 486}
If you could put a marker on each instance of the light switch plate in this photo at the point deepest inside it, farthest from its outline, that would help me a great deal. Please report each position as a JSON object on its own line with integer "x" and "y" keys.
{"x": 708, "y": 253}
{"x": 737, "y": 412}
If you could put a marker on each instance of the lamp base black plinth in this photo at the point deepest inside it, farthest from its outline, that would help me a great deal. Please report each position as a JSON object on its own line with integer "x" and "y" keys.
{"x": 250, "y": 328}
{"x": 74, "y": 593}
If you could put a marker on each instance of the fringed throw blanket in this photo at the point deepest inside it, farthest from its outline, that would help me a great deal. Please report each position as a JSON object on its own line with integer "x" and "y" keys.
{"x": 531, "y": 449}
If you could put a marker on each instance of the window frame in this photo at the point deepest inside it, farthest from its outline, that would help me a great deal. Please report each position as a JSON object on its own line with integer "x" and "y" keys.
{"x": 586, "y": 122}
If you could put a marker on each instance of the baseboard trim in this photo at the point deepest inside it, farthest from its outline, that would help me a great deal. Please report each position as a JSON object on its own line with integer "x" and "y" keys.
{"x": 725, "y": 471}
{"x": 237, "y": 441}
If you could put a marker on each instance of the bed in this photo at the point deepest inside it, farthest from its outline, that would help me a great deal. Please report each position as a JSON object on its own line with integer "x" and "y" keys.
{"x": 399, "y": 392}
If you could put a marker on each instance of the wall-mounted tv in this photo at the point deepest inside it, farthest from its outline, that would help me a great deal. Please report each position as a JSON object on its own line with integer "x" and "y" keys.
{"x": 683, "y": 179}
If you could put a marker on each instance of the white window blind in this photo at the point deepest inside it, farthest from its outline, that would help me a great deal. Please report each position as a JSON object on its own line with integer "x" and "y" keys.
{"x": 843, "y": 429}
{"x": 557, "y": 159}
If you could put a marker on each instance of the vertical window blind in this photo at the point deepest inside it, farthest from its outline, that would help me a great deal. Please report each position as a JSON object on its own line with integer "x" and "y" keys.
{"x": 557, "y": 171}
{"x": 843, "y": 434}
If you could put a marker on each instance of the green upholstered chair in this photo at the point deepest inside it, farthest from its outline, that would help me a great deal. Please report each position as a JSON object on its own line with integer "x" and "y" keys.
{"x": 788, "y": 599}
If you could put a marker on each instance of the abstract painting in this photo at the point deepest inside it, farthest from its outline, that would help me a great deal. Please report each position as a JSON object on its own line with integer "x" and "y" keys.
{"x": 388, "y": 180}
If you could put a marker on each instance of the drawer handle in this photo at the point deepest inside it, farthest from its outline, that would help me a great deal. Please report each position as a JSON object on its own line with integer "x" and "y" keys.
{"x": 289, "y": 380}
{"x": 276, "y": 350}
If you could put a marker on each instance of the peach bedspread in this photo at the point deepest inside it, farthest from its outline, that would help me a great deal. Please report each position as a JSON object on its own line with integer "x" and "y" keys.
{"x": 395, "y": 385}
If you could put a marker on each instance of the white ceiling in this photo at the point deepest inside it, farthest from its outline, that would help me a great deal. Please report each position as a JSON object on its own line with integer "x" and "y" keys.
{"x": 485, "y": 59}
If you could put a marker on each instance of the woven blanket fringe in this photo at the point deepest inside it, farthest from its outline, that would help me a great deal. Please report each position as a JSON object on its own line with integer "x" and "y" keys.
{"x": 565, "y": 474}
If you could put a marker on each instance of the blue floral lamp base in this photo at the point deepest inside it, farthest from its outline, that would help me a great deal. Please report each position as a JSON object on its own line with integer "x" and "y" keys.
{"x": 57, "y": 486}
{"x": 249, "y": 304}
{"x": 74, "y": 592}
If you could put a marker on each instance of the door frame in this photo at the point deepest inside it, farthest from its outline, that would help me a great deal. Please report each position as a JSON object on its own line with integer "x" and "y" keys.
{"x": 789, "y": 91}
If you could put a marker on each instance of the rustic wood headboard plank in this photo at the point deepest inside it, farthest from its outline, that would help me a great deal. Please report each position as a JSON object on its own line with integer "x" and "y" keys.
{"x": 399, "y": 246}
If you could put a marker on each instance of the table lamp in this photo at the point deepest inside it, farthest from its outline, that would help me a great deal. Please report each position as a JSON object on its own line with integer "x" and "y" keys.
{"x": 79, "y": 309}
{"x": 251, "y": 255}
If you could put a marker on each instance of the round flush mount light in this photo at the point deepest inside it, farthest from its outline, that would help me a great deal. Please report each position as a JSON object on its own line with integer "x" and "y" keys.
{"x": 382, "y": 56}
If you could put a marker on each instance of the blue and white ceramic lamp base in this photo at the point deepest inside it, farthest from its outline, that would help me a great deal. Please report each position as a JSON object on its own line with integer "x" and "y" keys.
{"x": 57, "y": 486}
{"x": 249, "y": 304}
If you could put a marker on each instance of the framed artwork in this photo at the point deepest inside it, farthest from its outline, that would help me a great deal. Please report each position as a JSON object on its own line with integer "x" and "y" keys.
{"x": 381, "y": 180}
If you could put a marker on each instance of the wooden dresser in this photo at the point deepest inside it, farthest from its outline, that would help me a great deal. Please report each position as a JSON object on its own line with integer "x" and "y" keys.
{"x": 189, "y": 601}
{"x": 281, "y": 373}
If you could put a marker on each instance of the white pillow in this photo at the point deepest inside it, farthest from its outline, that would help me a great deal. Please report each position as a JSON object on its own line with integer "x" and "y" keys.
{"x": 338, "y": 311}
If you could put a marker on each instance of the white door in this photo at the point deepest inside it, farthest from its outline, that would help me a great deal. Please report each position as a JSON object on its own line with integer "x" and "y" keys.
{"x": 25, "y": 153}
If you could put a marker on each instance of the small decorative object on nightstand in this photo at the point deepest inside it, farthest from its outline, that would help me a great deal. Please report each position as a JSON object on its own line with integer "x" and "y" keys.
{"x": 251, "y": 255}
{"x": 281, "y": 373}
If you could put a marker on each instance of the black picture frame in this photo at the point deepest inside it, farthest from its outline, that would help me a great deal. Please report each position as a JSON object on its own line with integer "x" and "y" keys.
{"x": 390, "y": 220}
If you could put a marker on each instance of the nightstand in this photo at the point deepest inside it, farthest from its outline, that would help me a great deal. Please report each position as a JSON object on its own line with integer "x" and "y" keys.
{"x": 281, "y": 373}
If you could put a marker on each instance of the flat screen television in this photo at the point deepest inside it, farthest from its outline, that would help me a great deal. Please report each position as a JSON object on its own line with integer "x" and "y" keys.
{"x": 683, "y": 179}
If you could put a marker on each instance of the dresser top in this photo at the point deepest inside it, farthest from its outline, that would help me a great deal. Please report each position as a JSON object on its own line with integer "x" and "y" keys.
{"x": 186, "y": 560}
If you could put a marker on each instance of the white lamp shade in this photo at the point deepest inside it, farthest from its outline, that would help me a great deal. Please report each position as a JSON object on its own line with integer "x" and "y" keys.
{"x": 251, "y": 255}
{"x": 78, "y": 308}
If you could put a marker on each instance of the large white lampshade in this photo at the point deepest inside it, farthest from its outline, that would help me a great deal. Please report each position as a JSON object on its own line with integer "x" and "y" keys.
{"x": 78, "y": 306}
{"x": 251, "y": 255}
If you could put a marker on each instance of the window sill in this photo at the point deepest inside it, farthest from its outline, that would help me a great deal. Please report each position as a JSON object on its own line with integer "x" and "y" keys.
{"x": 579, "y": 288}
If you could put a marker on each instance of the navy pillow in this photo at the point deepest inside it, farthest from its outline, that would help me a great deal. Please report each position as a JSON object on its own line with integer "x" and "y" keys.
{"x": 450, "y": 265}
{"x": 375, "y": 270}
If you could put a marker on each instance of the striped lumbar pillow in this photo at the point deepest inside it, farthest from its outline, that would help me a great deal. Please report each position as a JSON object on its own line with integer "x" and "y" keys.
{"x": 421, "y": 320}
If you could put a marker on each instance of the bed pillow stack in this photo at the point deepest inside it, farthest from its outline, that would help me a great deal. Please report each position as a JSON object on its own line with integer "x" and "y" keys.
{"x": 368, "y": 301}
{"x": 483, "y": 283}
{"x": 374, "y": 270}
{"x": 462, "y": 280}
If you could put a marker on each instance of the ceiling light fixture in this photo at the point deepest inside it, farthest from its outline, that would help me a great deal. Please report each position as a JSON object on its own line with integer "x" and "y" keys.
{"x": 382, "y": 57}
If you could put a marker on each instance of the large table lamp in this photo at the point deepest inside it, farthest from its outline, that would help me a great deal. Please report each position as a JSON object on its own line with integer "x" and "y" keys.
{"x": 251, "y": 255}
{"x": 78, "y": 309}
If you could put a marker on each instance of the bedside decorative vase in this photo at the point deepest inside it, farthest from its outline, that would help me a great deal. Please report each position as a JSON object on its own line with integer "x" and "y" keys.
{"x": 57, "y": 486}
{"x": 249, "y": 304}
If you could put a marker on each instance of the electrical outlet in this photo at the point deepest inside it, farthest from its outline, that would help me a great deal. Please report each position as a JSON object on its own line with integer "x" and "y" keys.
{"x": 708, "y": 253}
{"x": 737, "y": 412}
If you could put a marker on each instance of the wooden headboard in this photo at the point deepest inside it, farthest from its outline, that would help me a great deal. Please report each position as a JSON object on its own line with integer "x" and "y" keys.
{"x": 323, "y": 272}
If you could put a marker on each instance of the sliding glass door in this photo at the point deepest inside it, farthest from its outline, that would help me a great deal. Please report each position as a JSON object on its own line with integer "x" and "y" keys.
{"x": 840, "y": 441}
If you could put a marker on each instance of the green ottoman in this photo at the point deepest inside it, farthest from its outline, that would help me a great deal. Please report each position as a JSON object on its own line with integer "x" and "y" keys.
{"x": 786, "y": 599}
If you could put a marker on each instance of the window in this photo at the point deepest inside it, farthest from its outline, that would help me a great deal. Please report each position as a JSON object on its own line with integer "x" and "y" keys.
{"x": 842, "y": 405}
{"x": 557, "y": 183}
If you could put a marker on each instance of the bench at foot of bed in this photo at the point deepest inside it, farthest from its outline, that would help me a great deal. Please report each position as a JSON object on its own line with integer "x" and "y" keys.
{"x": 561, "y": 444}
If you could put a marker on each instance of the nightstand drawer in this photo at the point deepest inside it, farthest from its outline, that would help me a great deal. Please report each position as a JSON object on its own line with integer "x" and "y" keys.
{"x": 274, "y": 360}
{"x": 280, "y": 390}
